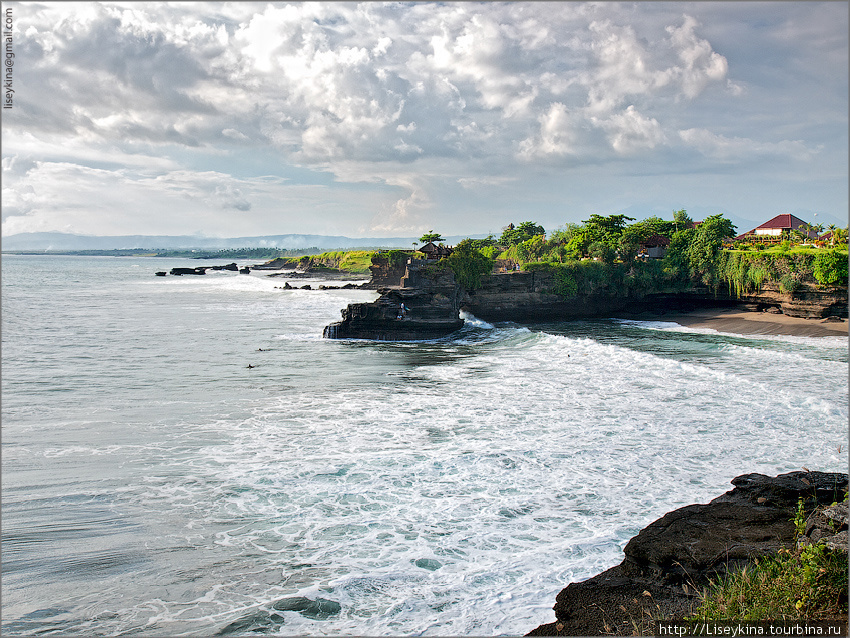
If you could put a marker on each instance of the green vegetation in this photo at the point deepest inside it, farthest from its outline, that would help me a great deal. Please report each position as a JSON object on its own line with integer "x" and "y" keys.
{"x": 697, "y": 254}
{"x": 830, "y": 267}
{"x": 351, "y": 261}
{"x": 355, "y": 262}
{"x": 431, "y": 236}
{"x": 469, "y": 264}
{"x": 513, "y": 236}
{"x": 807, "y": 583}
{"x": 599, "y": 277}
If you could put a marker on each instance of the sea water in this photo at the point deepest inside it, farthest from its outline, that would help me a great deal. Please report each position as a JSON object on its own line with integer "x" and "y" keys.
{"x": 155, "y": 485}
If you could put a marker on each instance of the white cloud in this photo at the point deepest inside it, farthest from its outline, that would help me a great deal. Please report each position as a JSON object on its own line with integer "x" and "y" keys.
{"x": 700, "y": 65}
{"x": 378, "y": 92}
{"x": 630, "y": 132}
{"x": 556, "y": 137}
{"x": 738, "y": 149}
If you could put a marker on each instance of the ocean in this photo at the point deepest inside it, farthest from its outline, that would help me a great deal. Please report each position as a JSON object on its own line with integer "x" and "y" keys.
{"x": 155, "y": 485}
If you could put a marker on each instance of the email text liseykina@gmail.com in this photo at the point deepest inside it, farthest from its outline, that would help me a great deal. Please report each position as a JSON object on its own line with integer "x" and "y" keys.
{"x": 8, "y": 23}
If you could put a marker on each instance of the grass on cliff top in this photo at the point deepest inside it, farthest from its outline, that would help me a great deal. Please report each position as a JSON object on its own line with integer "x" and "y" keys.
{"x": 351, "y": 261}
{"x": 807, "y": 583}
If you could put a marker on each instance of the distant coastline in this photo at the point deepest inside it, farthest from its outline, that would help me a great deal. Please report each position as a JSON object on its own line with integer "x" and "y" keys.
{"x": 55, "y": 243}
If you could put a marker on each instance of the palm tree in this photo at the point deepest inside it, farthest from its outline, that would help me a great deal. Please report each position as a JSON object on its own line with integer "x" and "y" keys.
{"x": 831, "y": 229}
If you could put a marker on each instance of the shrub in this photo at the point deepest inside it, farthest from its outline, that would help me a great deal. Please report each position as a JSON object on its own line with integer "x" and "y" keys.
{"x": 468, "y": 264}
{"x": 830, "y": 268}
{"x": 788, "y": 284}
{"x": 808, "y": 583}
{"x": 601, "y": 251}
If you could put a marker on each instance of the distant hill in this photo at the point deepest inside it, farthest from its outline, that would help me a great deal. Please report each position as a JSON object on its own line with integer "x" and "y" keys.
{"x": 66, "y": 242}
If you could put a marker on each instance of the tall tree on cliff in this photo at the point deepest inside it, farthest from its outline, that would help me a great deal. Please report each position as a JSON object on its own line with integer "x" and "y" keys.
{"x": 696, "y": 250}
{"x": 516, "y": 235}
{"x": 431, "y": 236}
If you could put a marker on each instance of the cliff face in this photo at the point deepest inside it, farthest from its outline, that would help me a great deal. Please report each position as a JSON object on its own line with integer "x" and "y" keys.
{"x": 808, "y": 302}
{"x": 426, "y": 307}
{"x": 665, "y": 563}
{"x": 384, "y": 273}
{"x": 519, "y": 296}
{"x": 434, "y": 300}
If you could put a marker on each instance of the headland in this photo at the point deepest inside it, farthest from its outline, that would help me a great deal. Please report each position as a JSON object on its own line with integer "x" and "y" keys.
{"x": 422, "y": 299}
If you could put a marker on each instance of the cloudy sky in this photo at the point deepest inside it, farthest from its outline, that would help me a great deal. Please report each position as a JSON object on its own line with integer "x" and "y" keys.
{"x": 390, "y": 119}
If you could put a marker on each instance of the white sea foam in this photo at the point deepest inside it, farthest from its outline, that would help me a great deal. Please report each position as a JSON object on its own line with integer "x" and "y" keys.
{"x": 449, "y": 487}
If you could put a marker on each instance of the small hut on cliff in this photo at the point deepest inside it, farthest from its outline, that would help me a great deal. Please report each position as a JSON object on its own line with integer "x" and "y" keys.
{"x": 432, "y": 251}
{"x": 655, "y": 246}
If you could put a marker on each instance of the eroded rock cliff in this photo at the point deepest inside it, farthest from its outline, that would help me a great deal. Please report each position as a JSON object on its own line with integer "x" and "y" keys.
{"x": 434, "y": 300}
{"x": 684, "y": 548}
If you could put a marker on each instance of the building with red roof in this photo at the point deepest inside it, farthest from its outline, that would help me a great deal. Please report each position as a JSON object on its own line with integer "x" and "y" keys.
{"x": 779, "y": 225}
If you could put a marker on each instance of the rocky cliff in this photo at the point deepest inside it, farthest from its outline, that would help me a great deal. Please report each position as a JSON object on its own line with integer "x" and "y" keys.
{"x": 435, "y": 300}
{"x": 683, "y": 549}
{"x": 424, "y": 306}
{"x": 808, "y": 302}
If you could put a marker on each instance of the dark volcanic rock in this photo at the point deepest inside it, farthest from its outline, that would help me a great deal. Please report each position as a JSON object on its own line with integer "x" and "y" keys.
{"x": 200, "y": 270}
{"x": 687, "y": 547}
{"x": 427, "y": 306}
{"x": 384, "y": 272}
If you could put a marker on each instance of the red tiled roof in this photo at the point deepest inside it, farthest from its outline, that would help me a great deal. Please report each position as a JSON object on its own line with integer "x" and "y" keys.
{"x": 655, "y": 240}
{"x": 783, "y": 221}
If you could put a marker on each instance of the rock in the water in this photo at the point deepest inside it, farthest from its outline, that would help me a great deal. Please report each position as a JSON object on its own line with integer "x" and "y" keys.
{"x": 426, "y": 306}
{"x": 258, "y": 622}
{"x": 200, "y": 270}
{"x": 319, "y": 609}
{"x": 428, "y": 563}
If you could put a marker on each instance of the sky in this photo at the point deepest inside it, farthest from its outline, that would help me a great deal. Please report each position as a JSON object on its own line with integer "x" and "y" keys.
{"x": 385, "y": 119}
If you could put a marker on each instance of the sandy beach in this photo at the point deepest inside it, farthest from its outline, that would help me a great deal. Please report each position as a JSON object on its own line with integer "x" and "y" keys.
{"x": 740, "y": 322}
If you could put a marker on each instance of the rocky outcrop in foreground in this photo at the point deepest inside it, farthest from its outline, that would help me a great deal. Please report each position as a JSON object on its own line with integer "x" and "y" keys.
{"x": 687, "y": 547}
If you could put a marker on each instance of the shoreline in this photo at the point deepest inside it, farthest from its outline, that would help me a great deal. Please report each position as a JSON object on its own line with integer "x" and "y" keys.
{"x": 741, "y": 322}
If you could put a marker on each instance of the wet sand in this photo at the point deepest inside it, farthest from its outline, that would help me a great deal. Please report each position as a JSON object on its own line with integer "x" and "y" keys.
{"x": 759, "y": 323}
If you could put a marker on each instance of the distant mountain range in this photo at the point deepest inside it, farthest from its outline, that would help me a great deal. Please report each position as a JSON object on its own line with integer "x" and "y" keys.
{"x": 67, "y": 242}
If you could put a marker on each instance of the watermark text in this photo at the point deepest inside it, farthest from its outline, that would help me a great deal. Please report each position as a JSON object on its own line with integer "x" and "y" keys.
{"x": 743, "y": 629}
{"x": 9, "y": 63}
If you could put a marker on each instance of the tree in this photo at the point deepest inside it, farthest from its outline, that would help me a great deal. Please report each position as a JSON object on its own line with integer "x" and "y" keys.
{"x": 468, "y": 264}
{"x": 601, "y": 251}
{"x": 606, "y": 229}
{"x": 831, "y": 229}
{"x": 643, "y": 230}
{"x": 681, "y": 219}
{"x": 564, "y": 233}
{"x": 705, "y": 245}
{"x": 516, "y": 235}
{"x": 431, "y": 236}
{"x": 532, "y": 249}
{"x": 480, "y": 244}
